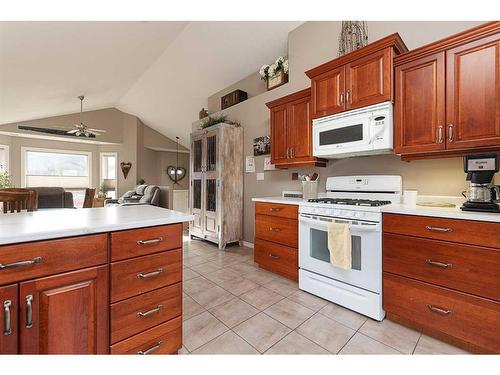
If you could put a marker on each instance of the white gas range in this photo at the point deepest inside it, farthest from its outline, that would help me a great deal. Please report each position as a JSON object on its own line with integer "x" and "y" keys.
{"x": 355, "y": 200}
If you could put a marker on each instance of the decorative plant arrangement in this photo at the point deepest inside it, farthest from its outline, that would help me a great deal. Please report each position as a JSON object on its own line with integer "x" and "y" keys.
{"x": 5, "y": 181}
{"x": 275, "y": 74}
{"x": 214, "y": 120}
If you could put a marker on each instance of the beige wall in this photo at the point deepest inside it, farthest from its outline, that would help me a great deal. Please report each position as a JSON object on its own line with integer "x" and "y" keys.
{"x": 124, "y": 132}
{"x": 309, "y": 45}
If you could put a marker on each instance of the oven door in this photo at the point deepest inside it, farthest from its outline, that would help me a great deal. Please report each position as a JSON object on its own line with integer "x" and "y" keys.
{"x": 366, "y": 241}
{"x": 340, "y": 136}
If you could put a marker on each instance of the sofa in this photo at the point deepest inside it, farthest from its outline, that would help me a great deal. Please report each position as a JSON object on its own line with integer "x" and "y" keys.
{"x": 54, "y": 197}
{"x": 142, "y": 194}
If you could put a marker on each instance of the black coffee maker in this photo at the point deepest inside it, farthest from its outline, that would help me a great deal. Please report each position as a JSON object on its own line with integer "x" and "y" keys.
{"x": 481, "y": 196}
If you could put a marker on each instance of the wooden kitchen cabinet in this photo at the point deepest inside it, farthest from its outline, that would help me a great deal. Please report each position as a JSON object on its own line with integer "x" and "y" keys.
{"x": 441, "y": 277}
{"x": 361, "y": 78}
{"x": 473, "y": 93}
{"x": 65, "y": 314}
{"x": 420, "y": 105}
{"x": 369, "y": 79}
{"x": 276, "y": 238}
{"x": 291, "y": 131}
{"x": 9, "y": 336}
{"x": 448, "y": 96}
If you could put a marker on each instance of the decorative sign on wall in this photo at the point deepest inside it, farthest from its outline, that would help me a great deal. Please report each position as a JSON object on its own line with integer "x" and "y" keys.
{"x": 262, "y": 145}
{"x": 354, "y": 35}
{"x": 250, "y": 164}
{"x": 125, "y": 168}
{"x": 267, "y": 164}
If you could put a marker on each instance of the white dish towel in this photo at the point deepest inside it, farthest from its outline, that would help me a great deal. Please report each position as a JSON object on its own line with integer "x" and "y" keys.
{"x": 339, "y": 245}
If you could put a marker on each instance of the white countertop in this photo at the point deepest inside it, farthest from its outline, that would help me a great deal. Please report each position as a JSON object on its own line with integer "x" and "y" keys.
{"x": 445, "y": 212}
{"x": 65, "y": 222}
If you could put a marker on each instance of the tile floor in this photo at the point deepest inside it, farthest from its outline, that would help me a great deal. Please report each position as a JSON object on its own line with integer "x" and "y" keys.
{"x": 231, "y": 306}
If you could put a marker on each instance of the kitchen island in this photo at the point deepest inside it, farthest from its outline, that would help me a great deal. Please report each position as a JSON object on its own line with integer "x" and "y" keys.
{"x": 91, "y": 281}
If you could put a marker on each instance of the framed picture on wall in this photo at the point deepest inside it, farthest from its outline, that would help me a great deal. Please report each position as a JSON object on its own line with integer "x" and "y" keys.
{"x": 262, "y": 146}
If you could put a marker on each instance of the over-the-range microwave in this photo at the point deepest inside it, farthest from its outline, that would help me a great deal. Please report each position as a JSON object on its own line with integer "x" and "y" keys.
{"x": 363, "y": 131}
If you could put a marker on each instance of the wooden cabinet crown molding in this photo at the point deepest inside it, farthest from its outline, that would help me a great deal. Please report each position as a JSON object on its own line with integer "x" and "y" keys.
{"x": 481, "y": 31}
{"x": 289, "y": 98}
{"x": 393, "y": 40}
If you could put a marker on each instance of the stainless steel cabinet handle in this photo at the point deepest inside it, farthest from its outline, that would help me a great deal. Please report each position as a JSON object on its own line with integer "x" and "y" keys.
{"x": 348, "y": 96}
{"x": 438, "y": 229}
{"x": 439, "y": 310}
{"x": 7, "y": 329}
{"x": 273, "y": 256}
{"x": 23, "y": 263}
{"x": 288, "y": 153}
{"x": 150, "y": 242}
{"x": 292, "y": 152}
{"x": 149, "y": 274}
{"x": 342, "y": 98}
{"x": 150, "y": 350}
{"x": 274, "y": 229}
{"x": 29, "y": 311}
{"x": 275, "y": 209}
{"x": 450, "y": 132}
{"x": 438, "y": 264}
{"x": 145, "y": 314}
{"x": 440, "y": 134}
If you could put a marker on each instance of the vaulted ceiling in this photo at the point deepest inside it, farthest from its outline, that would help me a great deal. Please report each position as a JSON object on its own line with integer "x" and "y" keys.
{"x": 162, "y": 72}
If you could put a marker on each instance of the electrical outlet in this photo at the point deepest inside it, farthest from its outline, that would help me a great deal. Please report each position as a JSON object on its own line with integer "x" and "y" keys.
{"x": 260, "y": 176}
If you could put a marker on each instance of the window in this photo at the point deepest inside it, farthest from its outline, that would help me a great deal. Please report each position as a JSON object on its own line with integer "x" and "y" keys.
{"x": 4, "y": 158}
{"x": 68, "y": 169}
{"x": 108, "y": 173}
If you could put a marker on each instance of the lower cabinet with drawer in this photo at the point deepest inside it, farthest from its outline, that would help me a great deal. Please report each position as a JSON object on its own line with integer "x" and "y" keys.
{"x": 65, "y": 297}
{"x": 443, "y": 279}
{"x": 276, "y": 238}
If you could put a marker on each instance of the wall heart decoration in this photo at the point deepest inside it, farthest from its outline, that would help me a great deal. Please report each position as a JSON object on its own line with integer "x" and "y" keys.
{"x": 125, "y": 168}
{"x": 176, "y": 173}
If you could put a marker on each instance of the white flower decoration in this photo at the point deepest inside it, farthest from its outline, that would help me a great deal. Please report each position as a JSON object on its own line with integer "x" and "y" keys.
{"x": 285, "y": 66}
{"x": 279, "y": 60}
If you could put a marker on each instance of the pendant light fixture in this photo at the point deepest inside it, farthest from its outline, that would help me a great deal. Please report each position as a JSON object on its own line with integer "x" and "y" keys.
{"x": 176, "y": 173}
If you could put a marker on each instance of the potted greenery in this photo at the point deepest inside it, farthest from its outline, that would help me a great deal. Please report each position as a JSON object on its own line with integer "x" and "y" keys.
{"x": 5, "y": 181}
{"x": 275, "y": 74}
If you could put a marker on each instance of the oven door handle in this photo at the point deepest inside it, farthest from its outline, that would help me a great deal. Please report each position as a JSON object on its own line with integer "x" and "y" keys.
{"x": 357, "y": 227}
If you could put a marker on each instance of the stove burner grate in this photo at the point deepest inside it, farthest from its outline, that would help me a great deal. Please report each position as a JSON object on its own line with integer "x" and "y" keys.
{"x": 351, "y": 202}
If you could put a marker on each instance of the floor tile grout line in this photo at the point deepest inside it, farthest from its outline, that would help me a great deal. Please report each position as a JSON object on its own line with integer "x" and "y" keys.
{"x": 228, "y": 329}
{"x": 416, "y": 344}
{"x": 383, "y": 343}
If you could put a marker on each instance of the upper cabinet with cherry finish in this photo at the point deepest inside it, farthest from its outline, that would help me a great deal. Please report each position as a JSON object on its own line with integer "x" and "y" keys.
{"x": 358, "y": 79}
{"x": 291, "y": 131}
{"x": 448, "y": 95}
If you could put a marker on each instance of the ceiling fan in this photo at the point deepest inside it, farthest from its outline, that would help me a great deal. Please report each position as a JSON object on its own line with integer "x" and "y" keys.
{"x": 79, "y": 130}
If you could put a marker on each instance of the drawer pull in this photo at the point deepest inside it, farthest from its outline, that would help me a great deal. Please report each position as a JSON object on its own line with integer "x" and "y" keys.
{"x": 145, "y": 314}
{"x": 150, "y": 242}
{"x": 438, "y": 229}
{"x": 438, "y": 310}
{"x": 272, "y": 229}
{"x": 23, "y": 263}
{"x": 438, "y": 264}
{"x": 273, "y": 256}
{"x": 149, "y": 274}
{"x": 29, "y": 311}
{"x": 150, "y": 350}
{"x": 275, "y": 209}
{"x": 7, "y": 329}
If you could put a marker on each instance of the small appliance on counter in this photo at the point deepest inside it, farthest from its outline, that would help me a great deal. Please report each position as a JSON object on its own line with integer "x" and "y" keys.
{"x": 481, "y": 195}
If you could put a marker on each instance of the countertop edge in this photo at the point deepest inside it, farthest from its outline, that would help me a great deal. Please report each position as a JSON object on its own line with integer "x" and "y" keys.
{"x": 64, "y": 233}
{"x": 447, "y": 213}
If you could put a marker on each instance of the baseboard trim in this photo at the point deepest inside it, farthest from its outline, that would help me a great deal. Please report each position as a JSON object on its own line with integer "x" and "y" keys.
{"x": 248, "y": 244}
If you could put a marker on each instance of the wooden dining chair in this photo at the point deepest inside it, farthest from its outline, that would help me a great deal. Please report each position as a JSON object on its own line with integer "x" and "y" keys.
{"x": 88, "y": 202}
{"x": 17, "y": 200}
